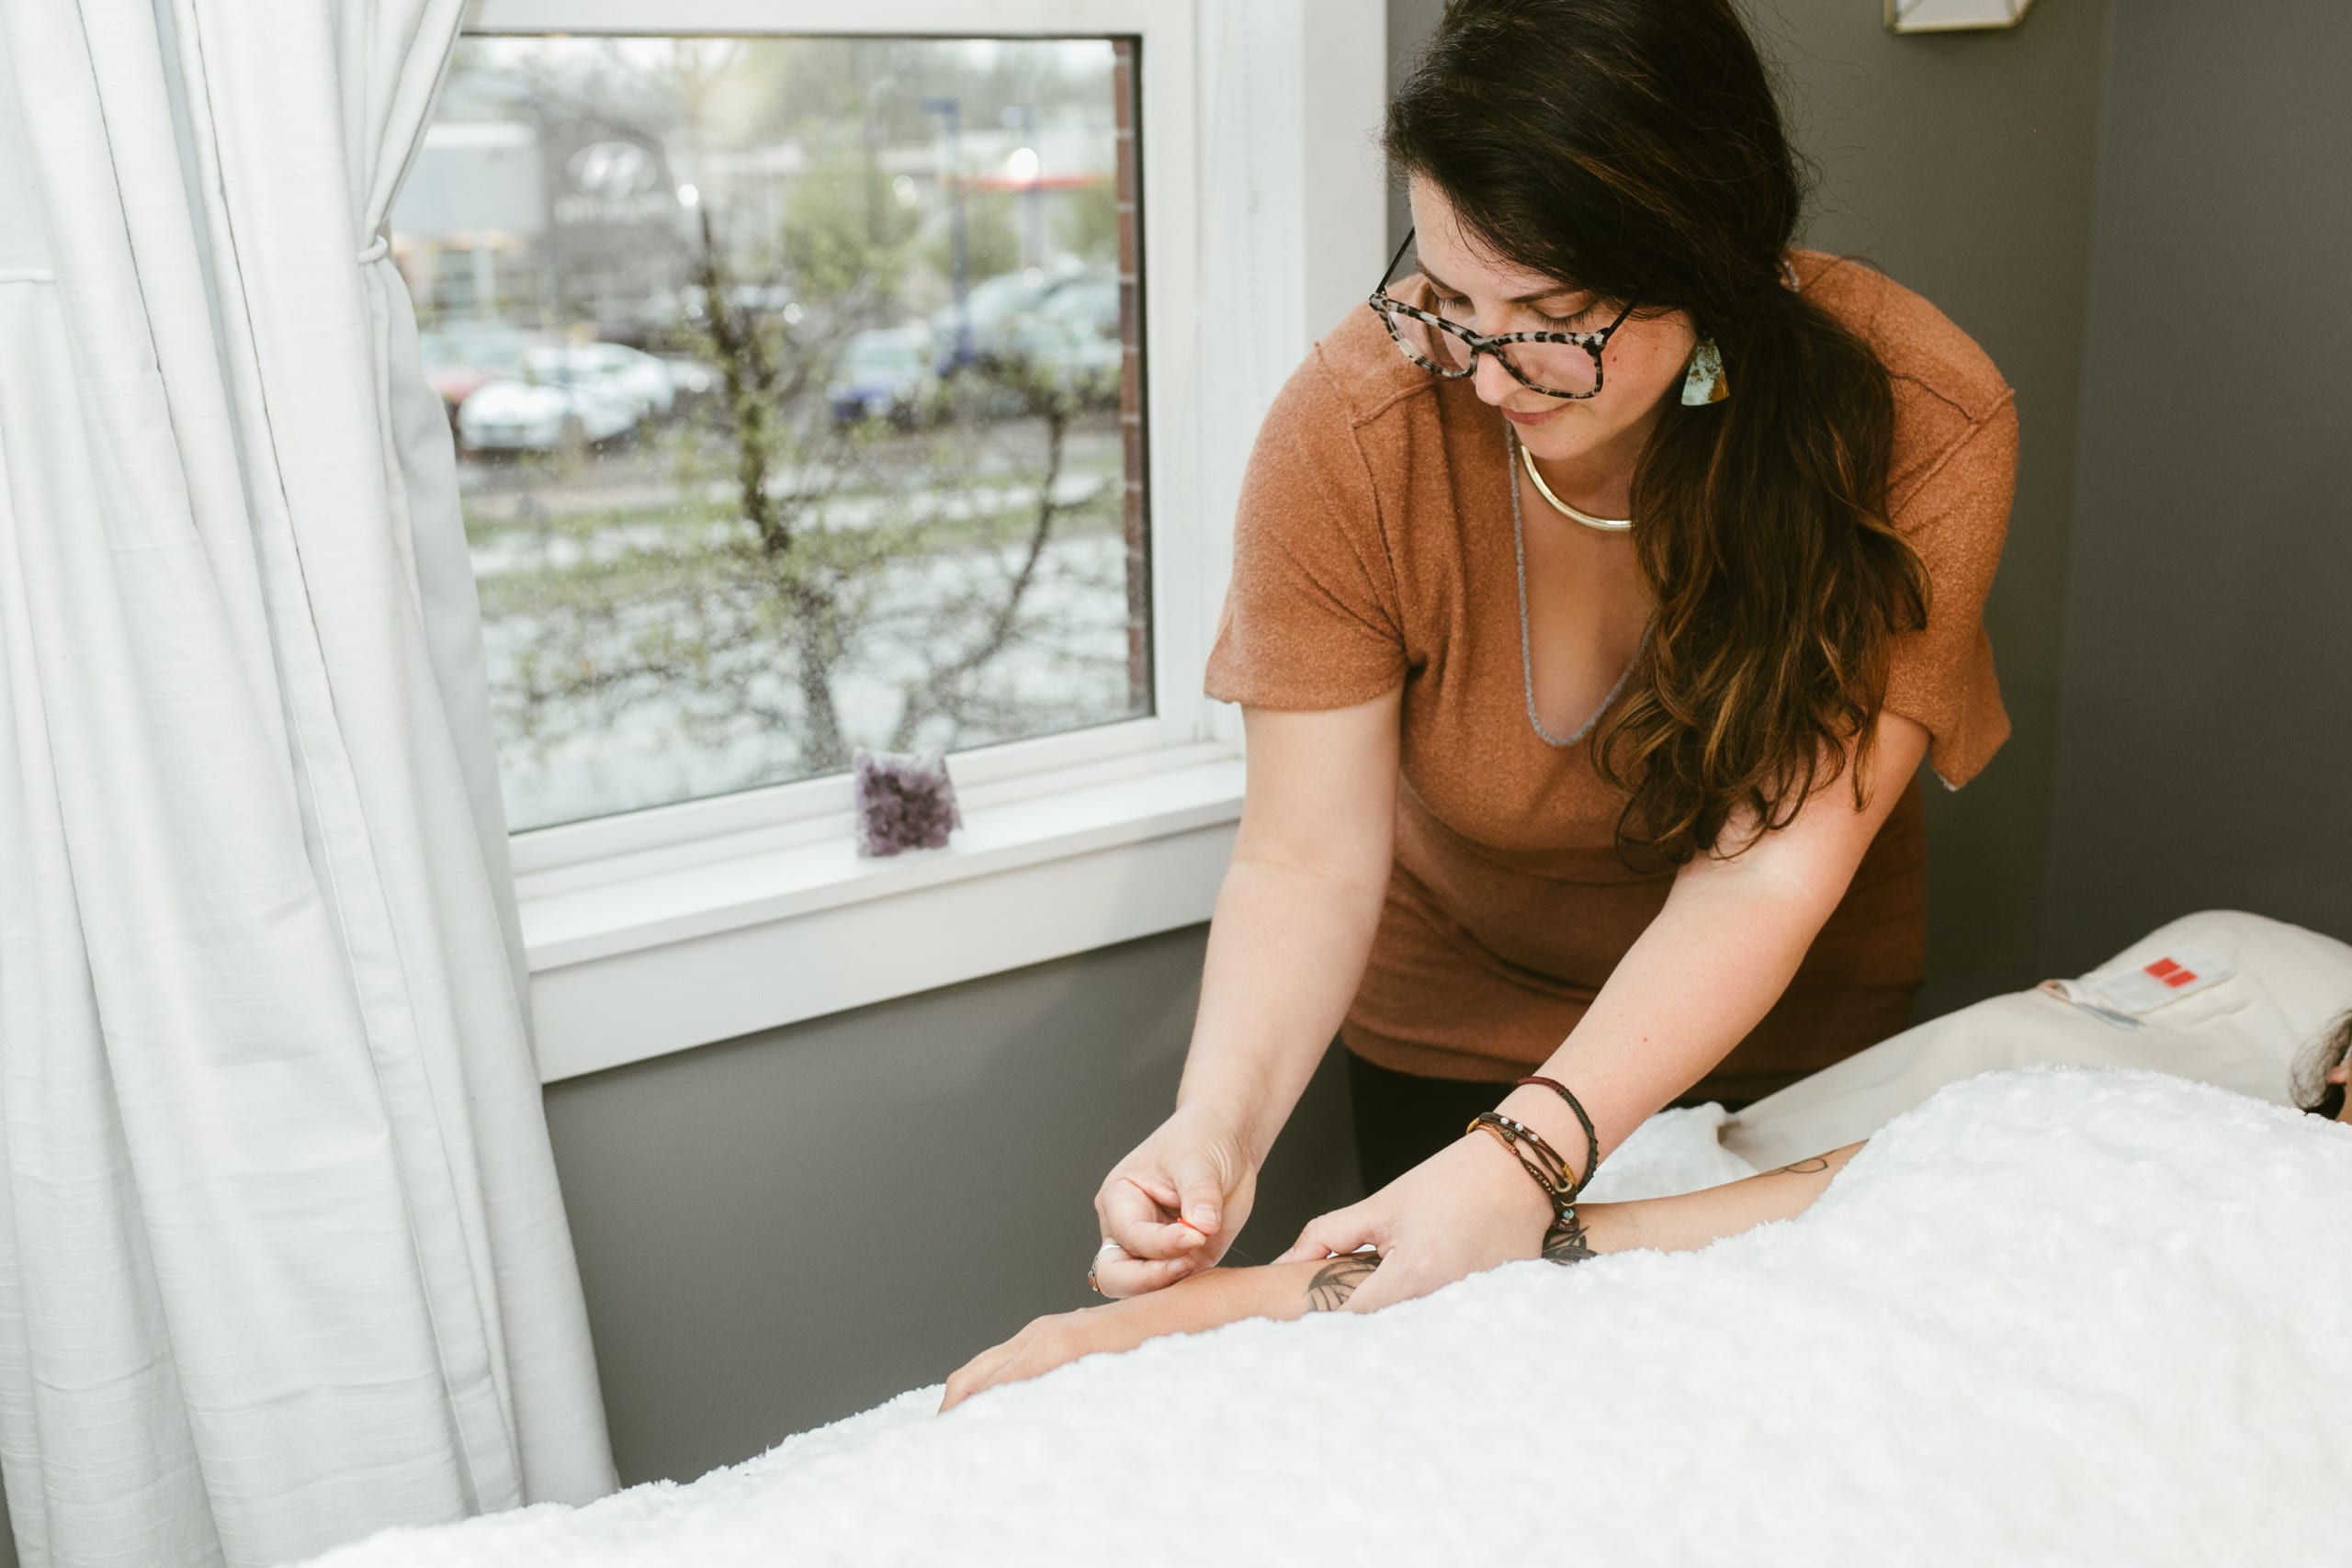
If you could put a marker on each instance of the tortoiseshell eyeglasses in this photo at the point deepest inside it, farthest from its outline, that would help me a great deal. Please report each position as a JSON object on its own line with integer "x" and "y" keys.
{"x": 1558, "y": 364}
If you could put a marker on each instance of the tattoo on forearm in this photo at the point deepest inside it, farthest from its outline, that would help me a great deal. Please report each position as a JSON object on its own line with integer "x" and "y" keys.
{"x": 1565, "y": 1242}
{"x": 1336, "y": 1281}
{"x": 1813, "y": 1167}
{"x": 1333, "y": 1283}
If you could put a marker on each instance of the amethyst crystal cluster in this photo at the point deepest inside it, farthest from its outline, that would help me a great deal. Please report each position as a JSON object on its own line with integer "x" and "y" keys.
{"x": 904, "y": 802}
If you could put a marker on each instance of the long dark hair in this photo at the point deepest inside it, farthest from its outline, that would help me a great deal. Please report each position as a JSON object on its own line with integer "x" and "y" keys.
{"x": 2313, "y": 1091}
{"x": 1633, "y": 148}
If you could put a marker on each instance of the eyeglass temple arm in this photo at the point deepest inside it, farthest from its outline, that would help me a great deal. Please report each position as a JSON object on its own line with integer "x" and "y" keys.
{"x": 1401, "y": 249}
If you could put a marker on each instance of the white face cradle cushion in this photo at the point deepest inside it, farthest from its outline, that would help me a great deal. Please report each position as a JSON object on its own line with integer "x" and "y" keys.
{"x": 2283, "y": 988}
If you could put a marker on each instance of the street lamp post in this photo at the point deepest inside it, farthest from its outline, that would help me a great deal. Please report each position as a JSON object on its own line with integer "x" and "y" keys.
{"x": 951, "y": 114}
{"x": 1033, "y": 193}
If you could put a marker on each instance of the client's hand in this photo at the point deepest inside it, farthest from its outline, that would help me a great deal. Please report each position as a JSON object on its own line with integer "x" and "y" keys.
{"x": 1174, "y": 1204}
{"x": 1209, "y": 1298}
{"x": 1468, "y": 1207}
{"x": 1049, "y": 1342}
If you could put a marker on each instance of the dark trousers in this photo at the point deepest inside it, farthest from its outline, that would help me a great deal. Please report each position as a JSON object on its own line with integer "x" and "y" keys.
{"x": 1402, "y": 1118}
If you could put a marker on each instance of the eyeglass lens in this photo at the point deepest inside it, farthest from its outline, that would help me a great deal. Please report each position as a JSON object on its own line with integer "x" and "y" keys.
{"x": 1558, "y": 366}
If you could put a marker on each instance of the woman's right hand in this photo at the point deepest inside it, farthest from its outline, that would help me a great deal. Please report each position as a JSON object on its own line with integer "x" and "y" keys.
{"x": 1174, "y": 1204}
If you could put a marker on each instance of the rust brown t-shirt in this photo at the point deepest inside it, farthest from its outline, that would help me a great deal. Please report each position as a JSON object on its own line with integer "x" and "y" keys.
{"x": 1374, "y": 549}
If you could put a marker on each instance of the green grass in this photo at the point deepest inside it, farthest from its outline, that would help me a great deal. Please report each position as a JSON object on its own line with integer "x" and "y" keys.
{"x": 686, "y": 510}
{"x": 641, "y": 572}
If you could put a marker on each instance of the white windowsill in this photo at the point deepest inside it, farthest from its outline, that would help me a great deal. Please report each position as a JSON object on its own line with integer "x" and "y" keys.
{"x": 667, "y": 958}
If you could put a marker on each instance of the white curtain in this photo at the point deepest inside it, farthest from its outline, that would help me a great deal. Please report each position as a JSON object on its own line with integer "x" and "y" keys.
{"x": 282, "y": 1258}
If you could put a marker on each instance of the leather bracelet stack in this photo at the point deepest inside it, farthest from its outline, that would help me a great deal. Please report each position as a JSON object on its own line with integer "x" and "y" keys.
{"x": 1584, "y": 1120}
{"x": 1560, "y": 1181}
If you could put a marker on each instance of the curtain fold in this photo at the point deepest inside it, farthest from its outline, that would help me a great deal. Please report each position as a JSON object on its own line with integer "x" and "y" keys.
{"x": 282, "y": 1257}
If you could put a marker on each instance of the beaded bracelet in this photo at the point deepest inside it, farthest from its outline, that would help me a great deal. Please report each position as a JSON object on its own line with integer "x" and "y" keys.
{"x": 1556, "y": 1171}
{"x": 1591, "y": 1137}
{"x": 1527, "y": 1145}
{"x": 1539, "y": 1159}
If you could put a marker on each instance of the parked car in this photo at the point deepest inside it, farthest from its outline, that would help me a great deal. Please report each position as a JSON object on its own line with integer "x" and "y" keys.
{"x": 989, "y": 307}
{"x": 883, "y": 373}
{"x": 527, "y": 416}
{"x": 461, "y": 358}
{"x": 1067, "y": 357}
{"x": 608, "y": 367}
{"x": 1064, "y": 323}
{"x": 1087, "y": 301}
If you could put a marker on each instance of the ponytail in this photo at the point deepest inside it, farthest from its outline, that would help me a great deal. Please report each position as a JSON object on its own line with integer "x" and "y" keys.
{"x": 1780, "y": 584}
{"x": 1633, "y": 149}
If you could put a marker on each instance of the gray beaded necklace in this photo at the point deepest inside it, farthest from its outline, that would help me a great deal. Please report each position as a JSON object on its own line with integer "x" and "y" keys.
{"x": 1526, "y": 651}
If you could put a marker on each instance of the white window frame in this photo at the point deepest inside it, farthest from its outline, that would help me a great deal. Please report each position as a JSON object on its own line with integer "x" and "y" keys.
{"x": 1263, "y": 218}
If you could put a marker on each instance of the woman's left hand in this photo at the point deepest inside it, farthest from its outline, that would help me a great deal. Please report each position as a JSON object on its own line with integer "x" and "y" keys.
{"x": 1468, "y": 1207}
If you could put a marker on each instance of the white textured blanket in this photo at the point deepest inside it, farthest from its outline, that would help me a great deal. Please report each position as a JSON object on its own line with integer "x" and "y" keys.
{"x": 2051, "y": 1317}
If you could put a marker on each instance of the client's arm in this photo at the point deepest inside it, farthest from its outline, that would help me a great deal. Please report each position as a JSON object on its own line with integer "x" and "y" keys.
{"x": 1691, "y": 1220}
{"x": 1217, "y": 1296}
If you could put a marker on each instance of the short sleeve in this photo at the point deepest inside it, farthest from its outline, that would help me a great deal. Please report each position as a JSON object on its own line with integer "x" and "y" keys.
{"x": 1957, "y": 515}
{"x": 1311, "y": 615}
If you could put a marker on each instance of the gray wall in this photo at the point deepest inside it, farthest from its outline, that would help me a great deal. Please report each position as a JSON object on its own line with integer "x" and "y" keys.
{"x": 785, "y": 1229}
{"x": 1960, "y": 164}
{"x": 2206, "y": 710}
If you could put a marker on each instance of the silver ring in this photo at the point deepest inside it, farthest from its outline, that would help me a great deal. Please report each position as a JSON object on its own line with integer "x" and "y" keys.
{"x": 1101, "y": 1252}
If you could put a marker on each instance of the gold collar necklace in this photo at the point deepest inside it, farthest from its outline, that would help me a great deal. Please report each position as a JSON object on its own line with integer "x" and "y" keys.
{"x": 1606, "y": 524}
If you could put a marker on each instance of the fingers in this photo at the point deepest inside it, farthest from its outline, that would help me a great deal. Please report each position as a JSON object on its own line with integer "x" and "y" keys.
{"x": 1395, "y": 1280}
{"x": 1200, "y": 1192}
{"x": 975, "y": 1374}
{"x": 1343, "y": 1230}
{"x": 1146, "y": 1228}
{"x": 1011, "y": 1361}
{"x": 1118, "y": 1276}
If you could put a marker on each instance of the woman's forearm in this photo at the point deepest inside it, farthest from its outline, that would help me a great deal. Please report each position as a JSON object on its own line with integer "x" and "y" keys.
{"x": 1698, "y": 979}
{"x": 1296, "y": 911}
{"x": 1294, "y": 924}
{"x": 1719, "y": 955}
{"x": 1285, "y": 950}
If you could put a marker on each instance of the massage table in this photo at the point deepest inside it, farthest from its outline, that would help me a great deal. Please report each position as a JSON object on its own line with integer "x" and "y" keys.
{"x": 2084, "y": 1312}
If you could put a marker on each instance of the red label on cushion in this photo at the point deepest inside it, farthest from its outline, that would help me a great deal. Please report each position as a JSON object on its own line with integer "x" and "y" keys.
{"x": 2162, "y": 980}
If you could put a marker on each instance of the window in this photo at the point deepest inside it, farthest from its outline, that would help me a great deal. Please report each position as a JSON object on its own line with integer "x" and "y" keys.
{"x": 799, "y": 389}
{"x": 683, "y": 864}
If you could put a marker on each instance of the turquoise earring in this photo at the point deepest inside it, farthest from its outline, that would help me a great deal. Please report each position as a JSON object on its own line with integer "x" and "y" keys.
{"x": 1705, "y": 382}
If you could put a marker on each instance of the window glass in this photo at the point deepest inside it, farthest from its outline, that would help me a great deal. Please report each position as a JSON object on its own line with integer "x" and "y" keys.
{"x": 797, "y": 387}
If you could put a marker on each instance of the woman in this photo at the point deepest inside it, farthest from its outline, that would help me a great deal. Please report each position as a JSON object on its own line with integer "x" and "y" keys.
{"x": 1666, "y": 1224}
{"x": 1597, "y": 595}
